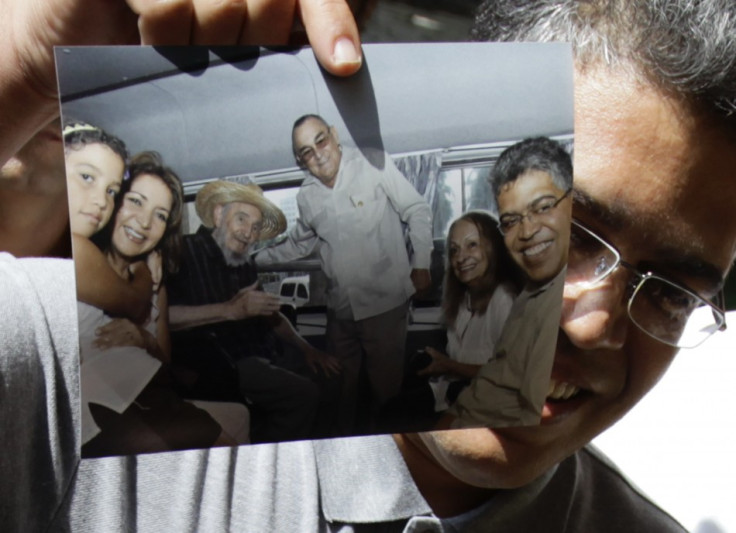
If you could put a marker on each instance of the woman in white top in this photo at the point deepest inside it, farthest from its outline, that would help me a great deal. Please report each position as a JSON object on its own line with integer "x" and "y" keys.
{"x": 479, "y": 287}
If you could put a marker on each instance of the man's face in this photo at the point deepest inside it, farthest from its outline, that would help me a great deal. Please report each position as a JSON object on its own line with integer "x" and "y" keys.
{"x": 317, "y": 148}
{"x": 661, "y": 188}
{"x": 538, "y": 242}
{"x": 237, "y": 227}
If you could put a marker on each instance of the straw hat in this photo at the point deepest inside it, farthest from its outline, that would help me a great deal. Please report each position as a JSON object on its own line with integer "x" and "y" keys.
{"x": 224, "y": 192}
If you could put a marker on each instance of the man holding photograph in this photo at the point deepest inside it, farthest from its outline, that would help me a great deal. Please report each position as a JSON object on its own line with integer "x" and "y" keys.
{"x": 655, "y": 154}
{"x": 654, "y": 160}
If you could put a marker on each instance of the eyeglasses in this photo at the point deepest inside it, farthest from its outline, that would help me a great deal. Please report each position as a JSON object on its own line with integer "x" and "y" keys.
{"x": 663, "y": 309}
{"x": 538, "y": 208}
{"x": 307, "y": 153}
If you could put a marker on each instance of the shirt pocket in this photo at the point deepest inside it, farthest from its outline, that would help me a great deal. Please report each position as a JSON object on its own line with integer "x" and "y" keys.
{"x": 366, "y": 212}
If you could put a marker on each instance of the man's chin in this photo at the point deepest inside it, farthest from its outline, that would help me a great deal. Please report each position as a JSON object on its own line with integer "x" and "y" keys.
{"x": 490, "y": 458}
{"x": 235, "y": 258}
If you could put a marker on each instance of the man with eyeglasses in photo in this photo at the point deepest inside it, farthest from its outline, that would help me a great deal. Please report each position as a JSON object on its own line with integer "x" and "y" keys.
{"x": 531, "y": 183}
{"x": 353, "y": 204}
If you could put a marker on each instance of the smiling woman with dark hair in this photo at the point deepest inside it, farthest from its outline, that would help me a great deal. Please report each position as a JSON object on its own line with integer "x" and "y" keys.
{"x": 169, "y": 246}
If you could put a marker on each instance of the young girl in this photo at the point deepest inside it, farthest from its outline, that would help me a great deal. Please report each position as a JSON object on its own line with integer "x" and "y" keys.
{"x": 95, "y": 166}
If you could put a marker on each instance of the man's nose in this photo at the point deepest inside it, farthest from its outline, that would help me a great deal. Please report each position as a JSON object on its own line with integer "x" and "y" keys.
{"x": 528, "y": 227}
{"x": 595, "y": 317}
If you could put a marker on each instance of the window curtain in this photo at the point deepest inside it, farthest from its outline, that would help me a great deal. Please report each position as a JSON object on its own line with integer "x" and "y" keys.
{"x": 422, "y": 171}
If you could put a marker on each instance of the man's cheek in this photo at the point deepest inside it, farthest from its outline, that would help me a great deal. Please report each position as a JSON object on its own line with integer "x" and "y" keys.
{"x": 517, "y": 258}
{"x": 648, "y": 360}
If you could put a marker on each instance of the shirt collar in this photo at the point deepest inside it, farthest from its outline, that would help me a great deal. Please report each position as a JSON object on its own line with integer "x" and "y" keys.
{"x": 380, "y": 486}
{"x": 534, "y": 290}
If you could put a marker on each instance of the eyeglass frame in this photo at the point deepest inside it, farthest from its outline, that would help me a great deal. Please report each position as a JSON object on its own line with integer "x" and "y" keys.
{"x": 529, "y": 214}
{"x": 638, "y": 280}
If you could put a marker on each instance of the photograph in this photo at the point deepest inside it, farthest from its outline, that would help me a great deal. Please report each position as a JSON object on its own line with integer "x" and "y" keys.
{"x": 362, "y": 265}
{"x": 269, "y": 253}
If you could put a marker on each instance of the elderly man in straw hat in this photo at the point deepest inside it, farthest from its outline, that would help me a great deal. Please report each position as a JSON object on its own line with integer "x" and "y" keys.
{"x": 224, "y": 326}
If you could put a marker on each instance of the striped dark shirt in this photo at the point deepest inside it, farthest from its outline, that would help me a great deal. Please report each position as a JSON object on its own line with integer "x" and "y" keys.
{"x": 205, "y": 278}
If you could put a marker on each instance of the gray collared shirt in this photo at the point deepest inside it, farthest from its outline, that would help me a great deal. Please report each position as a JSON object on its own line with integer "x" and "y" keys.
{"x": 353, "y": 485}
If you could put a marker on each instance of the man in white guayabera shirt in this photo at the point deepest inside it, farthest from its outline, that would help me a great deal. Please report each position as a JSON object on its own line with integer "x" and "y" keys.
{"x": 352, "y": 204}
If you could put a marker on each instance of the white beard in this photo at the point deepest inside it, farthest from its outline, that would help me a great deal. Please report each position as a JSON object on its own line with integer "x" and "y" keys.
{"x": 233, "y": 259}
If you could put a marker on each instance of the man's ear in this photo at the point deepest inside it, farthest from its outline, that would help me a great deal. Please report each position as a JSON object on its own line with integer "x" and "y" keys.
{"x": 217, "y": 215}
{"x": 333, "y": 132}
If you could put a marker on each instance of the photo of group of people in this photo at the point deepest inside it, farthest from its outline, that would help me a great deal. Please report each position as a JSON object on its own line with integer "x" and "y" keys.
{"x": 181, "y": 346}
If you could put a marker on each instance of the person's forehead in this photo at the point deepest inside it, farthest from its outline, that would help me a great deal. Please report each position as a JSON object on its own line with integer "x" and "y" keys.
{"x": 100, "y": 160}
{"x": 652, "y": 174}
{"x": 463, "y": 230}
{"x": 93, "y": 152}
{"x": 526, "y": 189}
{"x": 242, "y": 208}
{"x": 306, "y": 132}
{"x": 150, "y": 186}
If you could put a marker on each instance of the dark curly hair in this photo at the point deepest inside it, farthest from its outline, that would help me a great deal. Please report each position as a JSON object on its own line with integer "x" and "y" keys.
{"x": 78, "y": 134}
{"x": 535, "y": 153}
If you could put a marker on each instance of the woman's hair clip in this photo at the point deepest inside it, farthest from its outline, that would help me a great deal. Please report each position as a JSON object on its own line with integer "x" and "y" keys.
{"x": 77, "y": 127}
{"x": 126, "y": 174}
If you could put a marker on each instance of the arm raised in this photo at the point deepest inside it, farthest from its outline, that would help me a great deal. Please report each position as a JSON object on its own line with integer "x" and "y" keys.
{"x": 99, "y": 285}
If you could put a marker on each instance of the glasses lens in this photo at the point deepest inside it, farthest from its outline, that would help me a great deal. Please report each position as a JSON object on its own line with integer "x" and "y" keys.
{"x": 508, "y": 222}
{"x": 544, "y": 206}
{"x": 672, "y": 314}
{"x": 590, "y": 259}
